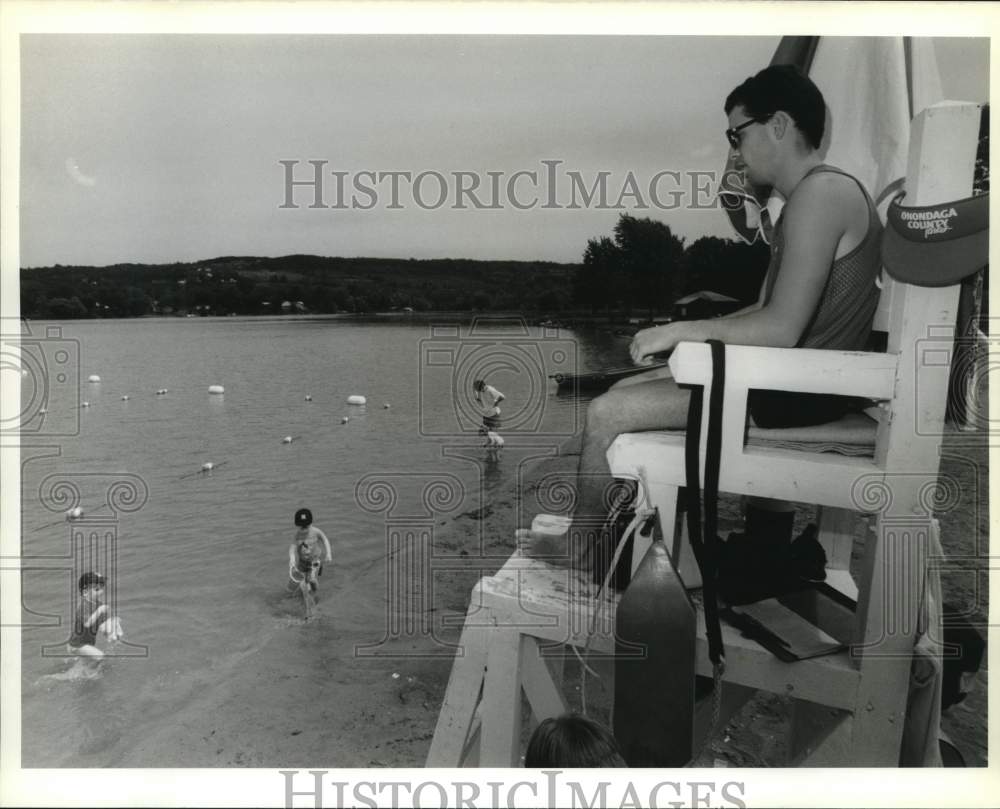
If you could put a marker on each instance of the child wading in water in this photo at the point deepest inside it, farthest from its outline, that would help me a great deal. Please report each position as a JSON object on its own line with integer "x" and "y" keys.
{"x": 92, "y": 616}
{"x": 306, "y": 557}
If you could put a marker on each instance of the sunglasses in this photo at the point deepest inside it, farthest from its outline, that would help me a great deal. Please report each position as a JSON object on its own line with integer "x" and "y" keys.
{"x": 732, "y": 134}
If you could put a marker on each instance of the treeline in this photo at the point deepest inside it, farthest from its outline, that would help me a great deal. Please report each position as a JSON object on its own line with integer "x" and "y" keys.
{"x": 643, "y": 268}
{"x": 298, "y": 283}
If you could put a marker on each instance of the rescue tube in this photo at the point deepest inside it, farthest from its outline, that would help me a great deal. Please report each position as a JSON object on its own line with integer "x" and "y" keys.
{"x": 216, "y": 389}
{"x": 93, "y": 378}
{"x": 356, "y": 400}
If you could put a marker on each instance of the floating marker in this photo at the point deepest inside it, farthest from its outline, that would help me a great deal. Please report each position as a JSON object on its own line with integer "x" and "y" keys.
{"x": 309, "y": 398}
{"x": 125, "y": 398}
{"x": 93, "y": 378}
{"x": 345, "y": 419}
{"x": 356, "y": 400}
{"x": 216, "y": 389}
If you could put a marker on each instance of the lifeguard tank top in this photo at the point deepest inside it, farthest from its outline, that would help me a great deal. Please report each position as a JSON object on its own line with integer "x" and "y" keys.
{"x": 843, "y": 317}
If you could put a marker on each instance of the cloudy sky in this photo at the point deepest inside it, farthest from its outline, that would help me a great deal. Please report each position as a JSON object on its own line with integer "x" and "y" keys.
{"x": 158, "y": 148}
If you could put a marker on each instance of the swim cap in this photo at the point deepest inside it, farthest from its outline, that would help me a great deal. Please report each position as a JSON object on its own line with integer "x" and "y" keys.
{"x": 89, "y": 580}
{"x": 936, "y": 245}
{"x": 303, "y": 517}
{"x": 478, "y": 384}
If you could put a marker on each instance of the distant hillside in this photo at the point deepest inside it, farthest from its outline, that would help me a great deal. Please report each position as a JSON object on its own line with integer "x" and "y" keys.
{"x": 247, "y": 285}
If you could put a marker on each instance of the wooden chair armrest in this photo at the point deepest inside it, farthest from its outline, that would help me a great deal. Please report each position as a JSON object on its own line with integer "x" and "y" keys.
{"x": 848, "y": 373}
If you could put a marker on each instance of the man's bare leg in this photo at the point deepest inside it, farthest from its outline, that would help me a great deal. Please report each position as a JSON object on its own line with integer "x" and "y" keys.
{"x": 653, "y": 405}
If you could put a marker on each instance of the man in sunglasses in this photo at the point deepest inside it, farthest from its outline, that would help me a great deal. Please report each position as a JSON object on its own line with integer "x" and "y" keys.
{"x": 819, "y": 291}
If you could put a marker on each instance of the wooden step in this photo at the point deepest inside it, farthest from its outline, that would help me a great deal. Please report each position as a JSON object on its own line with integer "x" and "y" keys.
{"x": 558, "y": 605}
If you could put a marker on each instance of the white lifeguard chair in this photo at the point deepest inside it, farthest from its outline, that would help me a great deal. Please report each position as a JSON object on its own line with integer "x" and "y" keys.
{"x": 850, "y": 706}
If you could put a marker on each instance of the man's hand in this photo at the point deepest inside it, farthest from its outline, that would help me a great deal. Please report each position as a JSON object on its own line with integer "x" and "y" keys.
{"x": 653, "y": 341}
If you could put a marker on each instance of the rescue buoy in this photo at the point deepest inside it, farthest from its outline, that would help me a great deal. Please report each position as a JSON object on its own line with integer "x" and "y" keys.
{"x": 93, "y": 378}
{"x": 356, "y": 400}
{"x": 216, "y": 389}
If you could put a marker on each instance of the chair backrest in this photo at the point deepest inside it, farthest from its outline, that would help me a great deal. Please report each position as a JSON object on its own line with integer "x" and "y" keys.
{"x": 920, "y": 321}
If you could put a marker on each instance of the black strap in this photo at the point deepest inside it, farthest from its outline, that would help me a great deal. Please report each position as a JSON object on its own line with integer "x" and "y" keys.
{"x": 705, "y": 549}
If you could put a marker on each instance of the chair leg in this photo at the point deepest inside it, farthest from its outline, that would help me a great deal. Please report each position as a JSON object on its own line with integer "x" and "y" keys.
{"x": 836, "y": 535}
{"x": 501, "y": 729}
{"x": 895, "y": 566}
{"x": 457, "y": 717}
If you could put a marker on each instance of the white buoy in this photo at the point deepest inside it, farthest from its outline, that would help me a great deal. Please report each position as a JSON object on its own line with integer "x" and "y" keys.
{"x": 309, "y": 398}
{"x": 216, "y": 389}
{"x": 208, "y": 466}
{"x": 287, "y": 439}
{"x": 93, "y": 378}
{"x": 386, "y": 406}
{"x": 125, "y": 398}
{"x": 345, "y": 419}
{"x": 356, "y": 400}
{"x": 84, "y": 404}
{"x": 74, "y": 513}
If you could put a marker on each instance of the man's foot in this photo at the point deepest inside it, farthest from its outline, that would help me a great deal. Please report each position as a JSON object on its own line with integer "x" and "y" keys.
{"x": 569, "y": 550}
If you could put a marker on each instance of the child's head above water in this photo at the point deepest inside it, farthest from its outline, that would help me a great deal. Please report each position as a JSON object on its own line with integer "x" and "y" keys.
{"x": 572, "y": 740}
{"x": 303, "y": 518}
{"x": 91, "y": 584}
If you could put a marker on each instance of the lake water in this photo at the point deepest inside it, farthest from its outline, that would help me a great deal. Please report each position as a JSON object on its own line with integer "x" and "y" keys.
{"x": 198, "y": 561}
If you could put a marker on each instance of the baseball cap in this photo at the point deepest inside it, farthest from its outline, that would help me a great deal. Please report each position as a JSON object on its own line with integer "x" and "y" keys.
{"x": 936, "y": 245}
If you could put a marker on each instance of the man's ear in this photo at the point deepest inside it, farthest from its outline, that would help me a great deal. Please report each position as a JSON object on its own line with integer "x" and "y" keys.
{"x": 782, "y": 124}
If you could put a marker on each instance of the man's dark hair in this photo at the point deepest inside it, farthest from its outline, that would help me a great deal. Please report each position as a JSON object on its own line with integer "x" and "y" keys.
{"x": 786, "y": 88}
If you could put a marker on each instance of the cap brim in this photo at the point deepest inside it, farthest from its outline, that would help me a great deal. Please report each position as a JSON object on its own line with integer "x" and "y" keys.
{"x": 936, "y": 245}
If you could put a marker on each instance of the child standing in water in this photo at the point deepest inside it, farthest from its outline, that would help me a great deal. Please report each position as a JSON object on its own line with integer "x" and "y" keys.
{"x": 306, "y": 557}
{"x": 92, "y": 615}
{"x": 489, "y": 399}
